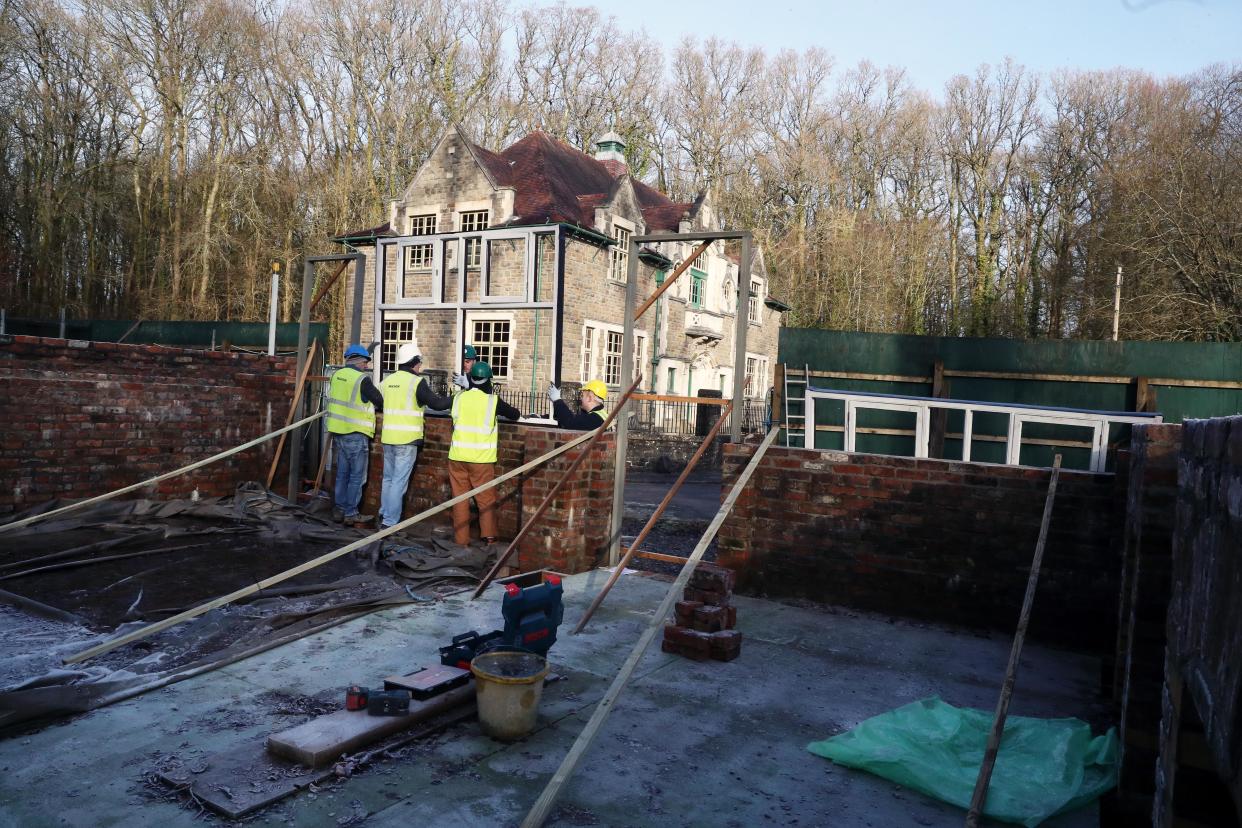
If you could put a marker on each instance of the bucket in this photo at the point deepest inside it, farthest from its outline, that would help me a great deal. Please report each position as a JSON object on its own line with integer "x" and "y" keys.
{"x": 508, "y": 685}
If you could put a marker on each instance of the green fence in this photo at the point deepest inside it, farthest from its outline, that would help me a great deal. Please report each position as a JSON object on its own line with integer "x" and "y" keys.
{"x": 1179, "y": 380}
{"x": 250, "y": 335}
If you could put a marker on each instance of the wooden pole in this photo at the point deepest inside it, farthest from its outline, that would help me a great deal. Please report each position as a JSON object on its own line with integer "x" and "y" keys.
{"x": 547, "y": 501}
{"x": 1011, "y": 672}
{"x": 215, "y": 603}
{"x": 328, "y": 285}
{"x": 655, "y": 516}
{"x": 543, "y": 805}
{"x": 668, "y": 282}
{"x": 293, "y": 407}
{"x": 323, "y": 462}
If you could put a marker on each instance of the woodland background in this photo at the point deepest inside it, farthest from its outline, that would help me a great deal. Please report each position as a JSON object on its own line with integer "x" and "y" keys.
{"x": 155, "y": 155}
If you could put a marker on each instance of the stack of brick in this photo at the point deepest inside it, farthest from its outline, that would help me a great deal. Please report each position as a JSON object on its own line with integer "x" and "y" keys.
{"x": 705, "y": 618}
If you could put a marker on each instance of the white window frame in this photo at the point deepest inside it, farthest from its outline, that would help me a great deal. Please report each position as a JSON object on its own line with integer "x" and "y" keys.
{"x": 619, "y": 255}
{"x": 388, "y": 347}
{"x": 486, "y": 346}
{"x": 756, "y": 376}
{"x": 590, "y": 347}
{"x": 600, "y": 352}
{"x": 421, "y": 256}
{"x": 474, "y": 247}
{"x": 754, "y": 313}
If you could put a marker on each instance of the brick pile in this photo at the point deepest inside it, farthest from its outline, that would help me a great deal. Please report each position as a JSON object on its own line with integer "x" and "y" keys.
{"x": 705, "y": 618}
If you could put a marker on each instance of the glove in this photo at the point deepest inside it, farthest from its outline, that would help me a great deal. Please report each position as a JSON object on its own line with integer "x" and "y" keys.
{"x": 461, "y": 381}
{"x": 554, "y": 393}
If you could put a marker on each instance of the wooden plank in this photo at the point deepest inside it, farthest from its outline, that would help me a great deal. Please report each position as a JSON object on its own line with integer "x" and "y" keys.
{"x": 151, "y": 629}
{"x": 980, "y": 795}
{"x": 326, "y": 738}
{"x": 655, "y": 517}
{"x": 939, "y": 416}
{"x": 547, "y": 500}
{"x": 778, "y": 393}
{"x": 543, "y": 805}
{"x": 323, "y": 291}
{"x": 658, "y": 556}
{"x": 1096, "y": 378}
{"x": 672, "y": 277}
{"x": 293, "y": 409}
{"x": 675, "y": 398}
{"x": 856, "y": 375}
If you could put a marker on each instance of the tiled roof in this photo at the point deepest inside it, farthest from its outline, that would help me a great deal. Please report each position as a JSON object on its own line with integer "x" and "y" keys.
{"x": 555, "y": 182}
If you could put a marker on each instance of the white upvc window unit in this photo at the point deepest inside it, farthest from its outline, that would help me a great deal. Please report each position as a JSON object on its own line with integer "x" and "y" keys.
{"x": 419, "y": 256}
{"x": 620, "y": 253}
{"x": 472, "y": 222}
{"x": 612, "y": 357}
{"x": 491, "y": 338}
{"x": 756, "y": 376}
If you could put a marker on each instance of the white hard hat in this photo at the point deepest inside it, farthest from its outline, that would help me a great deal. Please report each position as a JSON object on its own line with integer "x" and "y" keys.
{"x": 408, "y": 353}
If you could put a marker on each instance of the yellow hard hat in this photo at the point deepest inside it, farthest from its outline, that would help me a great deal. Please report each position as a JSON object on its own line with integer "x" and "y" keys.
{"x": 597, "y": 388}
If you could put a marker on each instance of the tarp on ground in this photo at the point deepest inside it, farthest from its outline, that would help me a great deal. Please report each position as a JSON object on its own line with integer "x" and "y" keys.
{"x": 1044, "y": 767}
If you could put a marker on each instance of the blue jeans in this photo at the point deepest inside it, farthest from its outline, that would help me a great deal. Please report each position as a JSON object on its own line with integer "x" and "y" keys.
{"x": 398, "y": 463}
{"x": 352, "y": 452}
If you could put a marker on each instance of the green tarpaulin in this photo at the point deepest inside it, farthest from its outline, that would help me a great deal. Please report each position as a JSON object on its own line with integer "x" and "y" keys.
{"x": 1045, "y": 766}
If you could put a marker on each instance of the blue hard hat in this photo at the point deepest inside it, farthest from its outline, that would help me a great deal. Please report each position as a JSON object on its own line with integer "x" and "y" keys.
{"x": 357, "y": 351}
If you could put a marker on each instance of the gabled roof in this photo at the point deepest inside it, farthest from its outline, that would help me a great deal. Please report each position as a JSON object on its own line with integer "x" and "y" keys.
{"x": 553, "y": 182}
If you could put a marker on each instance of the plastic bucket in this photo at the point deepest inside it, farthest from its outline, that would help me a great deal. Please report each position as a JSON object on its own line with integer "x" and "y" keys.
{"x": 508, "y": 685}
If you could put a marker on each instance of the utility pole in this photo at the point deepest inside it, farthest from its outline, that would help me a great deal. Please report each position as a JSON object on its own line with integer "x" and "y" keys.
{"x": 1117, "y": 304}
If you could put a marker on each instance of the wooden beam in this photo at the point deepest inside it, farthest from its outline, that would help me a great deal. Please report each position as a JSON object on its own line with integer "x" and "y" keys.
{"x": 856, "y": 375}
{"x": 657, "y": 556}
{"x": 543, "y": 805}
{"x": 547, "y": 501}
{"x": 675, "y": 398}
{"x": 655, "y": 517}
{"x": 668, "y": 281}
{"x": 778, "y": 395}
{"x": 293, "y": 407}
{"x": 327, "y": 286}
{"x": 939, "y": 416}
{"x": 215, "y": 603}
{"x": 1015, "y": 654}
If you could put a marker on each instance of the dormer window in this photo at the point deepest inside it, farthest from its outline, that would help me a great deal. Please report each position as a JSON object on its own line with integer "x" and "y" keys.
{"x": 756, "y": 303}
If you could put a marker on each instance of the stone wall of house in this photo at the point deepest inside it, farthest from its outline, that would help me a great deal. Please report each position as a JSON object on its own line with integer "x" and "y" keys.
{"x": 944, "y": 541}
{"x": 86, "y": 418}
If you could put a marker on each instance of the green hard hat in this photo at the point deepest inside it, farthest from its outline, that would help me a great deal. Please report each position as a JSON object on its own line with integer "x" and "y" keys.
{"x": 480, "y": 371}
{"x": 468, "y": 352}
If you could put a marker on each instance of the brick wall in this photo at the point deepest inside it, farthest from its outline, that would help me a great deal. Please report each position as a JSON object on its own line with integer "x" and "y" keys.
{"x": 85, "y": 418}
{"x": 570, "y": 535}
{"x": 1147, "y": 551}
{"x": 945, "y": 541}
{"x": 1201, "y": 723}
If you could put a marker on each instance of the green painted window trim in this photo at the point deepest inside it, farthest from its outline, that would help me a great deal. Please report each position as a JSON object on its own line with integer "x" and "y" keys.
{"x": 698, "y": 279}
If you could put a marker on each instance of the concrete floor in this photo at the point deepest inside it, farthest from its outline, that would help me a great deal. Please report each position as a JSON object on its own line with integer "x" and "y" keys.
{"x": 689, "y": 743}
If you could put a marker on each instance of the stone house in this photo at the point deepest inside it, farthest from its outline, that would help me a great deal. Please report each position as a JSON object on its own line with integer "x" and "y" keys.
{"x": 523, "y": 253}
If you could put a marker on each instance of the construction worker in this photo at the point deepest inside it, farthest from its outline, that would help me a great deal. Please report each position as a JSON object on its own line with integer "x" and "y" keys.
{"x": 590, "y": 399}
{"x": 472, "y": 454}
{"x": 406, "y": 396}
{"x": 469, "y": 356}
{"x": 352, "y": 403}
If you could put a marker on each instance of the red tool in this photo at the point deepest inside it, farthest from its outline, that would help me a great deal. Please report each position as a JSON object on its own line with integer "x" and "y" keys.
{"x": 356, "y": 698}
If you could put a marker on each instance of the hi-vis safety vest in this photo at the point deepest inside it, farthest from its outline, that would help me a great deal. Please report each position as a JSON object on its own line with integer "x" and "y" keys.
{"x": 599, "y": 412}
{"x": 403, "y": 416}
{"x": 347, "y": 413}
{"x": 474, "y": 427}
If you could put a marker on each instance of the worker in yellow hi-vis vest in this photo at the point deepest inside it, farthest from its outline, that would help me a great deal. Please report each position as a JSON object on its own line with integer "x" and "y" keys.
{"x": 472, "y": 453}
{"x": 352, "y": 403}
{"x": 406, "y": 397}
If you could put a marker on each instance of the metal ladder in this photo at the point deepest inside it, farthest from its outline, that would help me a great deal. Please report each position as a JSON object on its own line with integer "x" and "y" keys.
{"x": 805, "y": 382}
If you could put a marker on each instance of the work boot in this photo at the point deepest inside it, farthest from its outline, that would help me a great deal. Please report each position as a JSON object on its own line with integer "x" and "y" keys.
{"x": 359, "y": 520}
{"x": 338, "y": 515}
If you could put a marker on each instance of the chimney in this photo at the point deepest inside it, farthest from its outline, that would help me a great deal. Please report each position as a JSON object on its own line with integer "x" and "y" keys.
{"x": 610, "y": 150}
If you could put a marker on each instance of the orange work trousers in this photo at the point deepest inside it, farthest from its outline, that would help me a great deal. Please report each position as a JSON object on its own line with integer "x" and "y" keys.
{"x": 462, "y": 478}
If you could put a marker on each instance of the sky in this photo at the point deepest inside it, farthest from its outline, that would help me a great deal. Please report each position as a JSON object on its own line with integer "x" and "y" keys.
{"x": 935, "y": 41}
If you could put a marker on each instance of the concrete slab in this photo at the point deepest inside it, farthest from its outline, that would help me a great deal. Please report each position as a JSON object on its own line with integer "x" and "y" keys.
{"x": 689, "y": 743}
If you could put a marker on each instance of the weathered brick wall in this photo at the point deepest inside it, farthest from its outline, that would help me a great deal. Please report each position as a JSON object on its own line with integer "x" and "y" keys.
{"x": 85, "y": 418}
{"x": 945, "y": 541}
{"x": 572, "y": 533}
{"x": 1147, "y": 552}
{"x": 1203, "y": 669}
